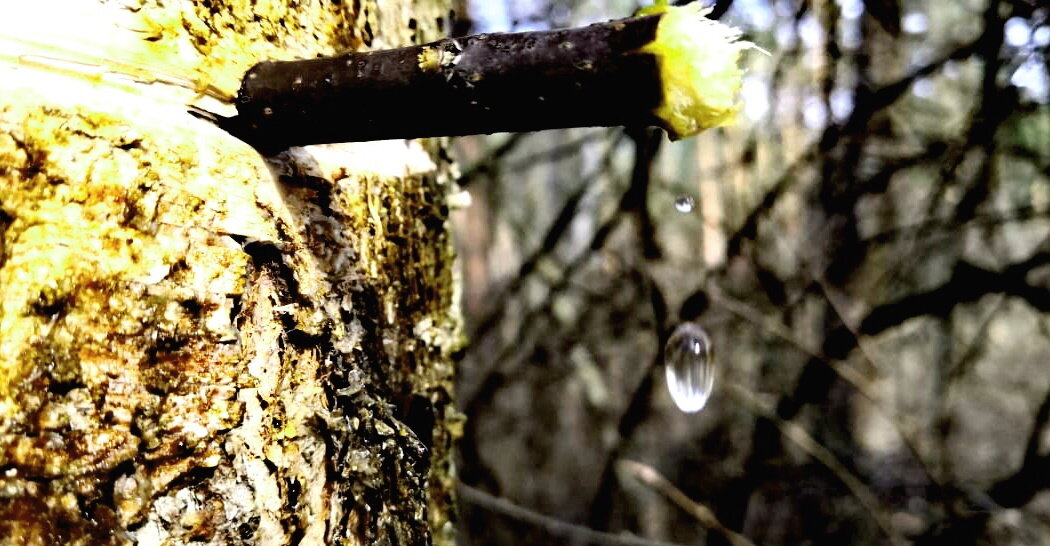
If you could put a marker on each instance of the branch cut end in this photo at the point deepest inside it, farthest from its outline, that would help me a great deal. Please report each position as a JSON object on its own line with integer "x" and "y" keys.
{"x": 699, "y": 70}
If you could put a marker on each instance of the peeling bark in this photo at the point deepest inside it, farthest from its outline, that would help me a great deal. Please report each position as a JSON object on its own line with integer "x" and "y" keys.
{"x": 198, "y": 344}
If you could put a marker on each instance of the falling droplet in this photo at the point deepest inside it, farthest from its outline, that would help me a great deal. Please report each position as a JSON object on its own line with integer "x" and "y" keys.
{"x": 689, "y": 366}
{"x": 684, "y": 203}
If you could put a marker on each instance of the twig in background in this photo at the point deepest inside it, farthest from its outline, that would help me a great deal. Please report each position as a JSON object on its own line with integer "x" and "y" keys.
{"x": 649, "y": 476}
{"x": 552, "y": 525}
{"x": 801, "y": 438}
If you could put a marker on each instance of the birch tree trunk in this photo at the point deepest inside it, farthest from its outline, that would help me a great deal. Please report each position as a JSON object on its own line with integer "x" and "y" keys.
{"x": 198, "y": 344}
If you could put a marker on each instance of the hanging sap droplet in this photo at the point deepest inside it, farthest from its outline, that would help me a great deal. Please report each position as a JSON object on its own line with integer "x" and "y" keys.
{"x": 684, "y": 203}
{"x": 689, "y": 366}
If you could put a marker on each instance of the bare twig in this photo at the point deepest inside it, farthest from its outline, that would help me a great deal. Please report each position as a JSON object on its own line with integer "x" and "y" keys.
{"x": 1019, "y": 488}
{"x": 550, "y": 524}
{"x": 806, "y": 442}
{"x": 775, "y": 327}
{"x": 649, "y": 476}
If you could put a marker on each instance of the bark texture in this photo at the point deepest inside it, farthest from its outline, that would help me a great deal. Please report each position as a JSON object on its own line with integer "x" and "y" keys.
{"x": 199, "y": 344}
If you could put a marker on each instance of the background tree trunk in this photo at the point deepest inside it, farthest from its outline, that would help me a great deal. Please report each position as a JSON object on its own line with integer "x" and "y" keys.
{"x": 197, "y": 344}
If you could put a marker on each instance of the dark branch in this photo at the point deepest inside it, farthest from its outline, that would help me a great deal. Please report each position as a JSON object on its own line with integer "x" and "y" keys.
{"x": 968, "y": 283}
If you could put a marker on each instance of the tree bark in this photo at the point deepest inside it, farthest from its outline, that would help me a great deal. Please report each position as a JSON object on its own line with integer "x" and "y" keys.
{"x": 199, "y": 344}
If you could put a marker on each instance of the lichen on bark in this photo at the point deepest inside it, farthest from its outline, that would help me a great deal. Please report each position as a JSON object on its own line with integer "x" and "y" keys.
{"x": 201, "y": 344}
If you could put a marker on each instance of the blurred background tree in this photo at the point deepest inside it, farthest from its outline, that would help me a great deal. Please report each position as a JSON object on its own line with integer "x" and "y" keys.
{"x": 868, "y": 249}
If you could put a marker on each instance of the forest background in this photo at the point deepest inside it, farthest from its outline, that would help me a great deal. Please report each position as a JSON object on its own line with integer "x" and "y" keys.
{"x": 868, "y": 250}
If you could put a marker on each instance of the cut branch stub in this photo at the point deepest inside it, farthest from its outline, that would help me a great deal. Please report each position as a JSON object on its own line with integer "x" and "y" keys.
{"x": 607, "y": 74}
{"x": 592, "y": 76}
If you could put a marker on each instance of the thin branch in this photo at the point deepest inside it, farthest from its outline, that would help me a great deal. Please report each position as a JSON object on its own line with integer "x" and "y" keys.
{"x": 494, "y": 379}
{"x": 967, "y": 359}
{"x": 551, "y": 525}
{"x": 649, "y": 476}
{"x": 636, "y": 199}
{"x": 635, "y": 413}
{"x": 845, "y": 372}
{"x": 564, "y": 150}
{"x": 775, "y": 327}
{"x": 968, "y": 283}
{"x": 1034, "y": 474}
{"x": 488, "y": 164}
{"x": 749, "y": 227}
{"x": 496, "y": 162}
{"x": 553, "y": 236}
{"x": 931, "y": 224}
{"x": 806, "y": 442}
